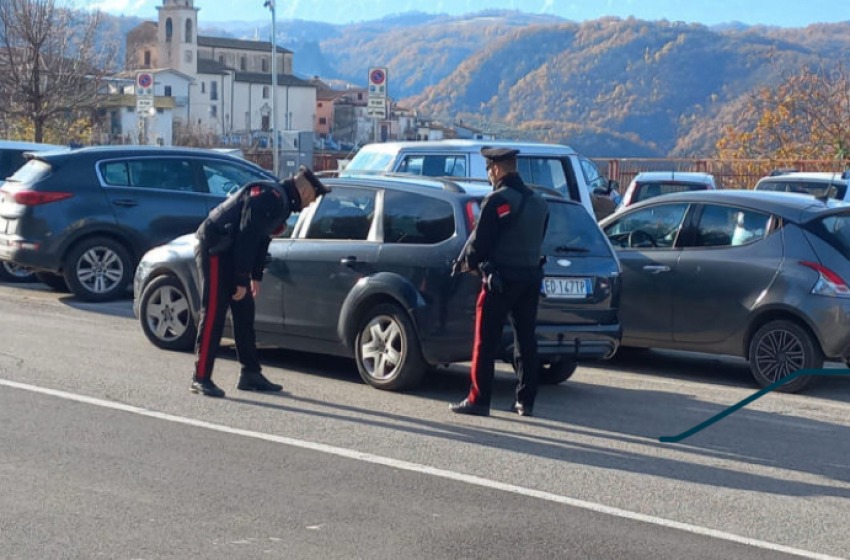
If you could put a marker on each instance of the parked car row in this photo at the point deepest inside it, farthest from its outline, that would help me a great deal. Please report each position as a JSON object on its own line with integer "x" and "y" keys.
{"x": 365, "y": 272}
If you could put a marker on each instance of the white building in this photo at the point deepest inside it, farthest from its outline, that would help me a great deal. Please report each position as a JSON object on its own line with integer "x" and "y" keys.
{"x": 229, "y": 88}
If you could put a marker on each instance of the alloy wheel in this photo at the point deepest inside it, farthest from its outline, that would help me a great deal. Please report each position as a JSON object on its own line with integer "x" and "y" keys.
{"x": 167, "y": 313}
{"x": 100, "y": 269}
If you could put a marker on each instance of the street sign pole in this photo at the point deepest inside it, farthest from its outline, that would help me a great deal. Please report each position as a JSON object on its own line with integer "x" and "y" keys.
{"x": 377, "y": 104}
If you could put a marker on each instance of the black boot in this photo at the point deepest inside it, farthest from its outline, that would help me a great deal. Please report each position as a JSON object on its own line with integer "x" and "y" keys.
{"x": 255, "y": 381}
{"x": 206, "y": 387}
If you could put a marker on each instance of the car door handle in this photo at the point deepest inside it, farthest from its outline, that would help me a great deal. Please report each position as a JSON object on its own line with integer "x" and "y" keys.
{"x": 656, "y": 268}
{"x": 126, "y": 202}
{"x": 348, "y": 261}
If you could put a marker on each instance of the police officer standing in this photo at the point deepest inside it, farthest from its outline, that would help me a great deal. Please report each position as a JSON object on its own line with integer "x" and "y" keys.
{"x": 231, "y": 256}
{"x": 505, "y": 249}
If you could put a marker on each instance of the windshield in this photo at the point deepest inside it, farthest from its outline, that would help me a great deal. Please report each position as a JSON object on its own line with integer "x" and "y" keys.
{"x": 34, "y": 170}
{"x": 573, "y": 230}
{"x": 370, "y": 161}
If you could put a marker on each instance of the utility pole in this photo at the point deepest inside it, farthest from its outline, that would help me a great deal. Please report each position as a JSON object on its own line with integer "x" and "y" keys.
{"x": 275, "y": 164}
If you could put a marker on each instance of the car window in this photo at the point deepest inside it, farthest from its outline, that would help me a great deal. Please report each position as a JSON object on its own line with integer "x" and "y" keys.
{"x": 573, "y": 230}
{"x": 543, "y": 171}
{"x": 434, "y": 165}
{"x": 32, "y": 171}
{"x": 645, "y": 191}
{"x": 370, "y": 161}
{"x": 653, "y": 227}
{"x": 835, "y": 230}
{"x": 224, "y": 177}
{"x": 721, "y": 226}
{"x": 592, "y": 177}
{"x": 414, "y": 219}
{"x": 343, "y": 214}
{"x": 171, "y": 174}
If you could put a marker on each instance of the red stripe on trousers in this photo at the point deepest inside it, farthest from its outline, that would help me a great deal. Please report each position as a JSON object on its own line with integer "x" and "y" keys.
{"x": 474, "y": 392}
{"x": 212, "y": 312}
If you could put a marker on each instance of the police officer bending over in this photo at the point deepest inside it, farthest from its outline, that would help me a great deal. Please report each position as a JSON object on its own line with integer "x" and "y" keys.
{"x": 231, "y": 256}
{"x": 505, "y": 249}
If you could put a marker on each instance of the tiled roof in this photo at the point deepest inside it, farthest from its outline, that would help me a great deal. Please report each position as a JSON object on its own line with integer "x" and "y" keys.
{"x": 225, "y": 43}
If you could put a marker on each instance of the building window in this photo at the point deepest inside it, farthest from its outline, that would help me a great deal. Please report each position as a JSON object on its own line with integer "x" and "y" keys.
{"x": 323, "y": 120}
{"x": 167, "y": 91}
{"x": 203, "y": 87}
{"x": 214, "y": 111}
{"x": 359, "y": 97}
{"x": 265, "y": 92}
{"x": 243, "y": 63}
{"x": 214, "y": 91}
{"x": 221, "y": 59}
{"x": 320, "y": 104}
{"x": 265, "y": 123}
{"x": 147, "y": 59}
{"x": 265, "y": 65}
{"x": 188, "y": 30}
{"x": 188, "y": 56}
{"x": 168, "y": 30}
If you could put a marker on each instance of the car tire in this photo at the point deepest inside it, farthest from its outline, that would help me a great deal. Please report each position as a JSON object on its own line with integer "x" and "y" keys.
{"x": 780, "y": 348}
{"x": 14, "y": 273}
{"x": 98, "y": 269}
{"x": 554, "y": 370}
{"x": 53, "y": 281}
{"x": 387, "y": 349}
{"x": 166, "y": 316}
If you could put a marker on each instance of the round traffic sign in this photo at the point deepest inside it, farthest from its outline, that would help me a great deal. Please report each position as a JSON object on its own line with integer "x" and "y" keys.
{"x": 145, "y": 80}
{"x": 377, "y": 77}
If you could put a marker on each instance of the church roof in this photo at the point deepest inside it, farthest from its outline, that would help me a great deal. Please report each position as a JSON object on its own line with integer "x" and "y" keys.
{"x": 242, "y": 44}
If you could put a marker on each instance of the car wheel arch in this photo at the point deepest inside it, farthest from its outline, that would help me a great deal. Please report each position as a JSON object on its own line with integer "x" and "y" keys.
{"x": 776, "y": 314}
{"x": 380, "y": 288}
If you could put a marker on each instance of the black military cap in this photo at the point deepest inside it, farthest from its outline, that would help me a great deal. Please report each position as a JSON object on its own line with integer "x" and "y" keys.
{"x": 318, "y": 186}
{"x": 498, "y": 154}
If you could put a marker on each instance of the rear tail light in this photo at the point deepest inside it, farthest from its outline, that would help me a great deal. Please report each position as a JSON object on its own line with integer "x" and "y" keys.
{"x": 36, "y": 198}
{"x": 829, "y": 283}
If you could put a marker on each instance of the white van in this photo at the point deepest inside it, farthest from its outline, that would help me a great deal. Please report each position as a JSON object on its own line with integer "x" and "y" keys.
{"x": 549, "y": 165}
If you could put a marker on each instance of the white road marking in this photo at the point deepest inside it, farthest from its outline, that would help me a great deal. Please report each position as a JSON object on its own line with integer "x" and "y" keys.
{"x": 424, "y": 469}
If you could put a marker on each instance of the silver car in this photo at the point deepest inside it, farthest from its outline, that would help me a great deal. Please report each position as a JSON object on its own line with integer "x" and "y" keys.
{"x": 761, "y": 275}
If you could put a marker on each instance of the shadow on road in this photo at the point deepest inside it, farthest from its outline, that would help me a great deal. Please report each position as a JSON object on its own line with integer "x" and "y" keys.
{"x": 588, "y": 412}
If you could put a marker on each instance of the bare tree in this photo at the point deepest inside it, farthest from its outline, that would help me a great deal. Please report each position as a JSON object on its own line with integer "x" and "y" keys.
{"x": 49, "y": 66}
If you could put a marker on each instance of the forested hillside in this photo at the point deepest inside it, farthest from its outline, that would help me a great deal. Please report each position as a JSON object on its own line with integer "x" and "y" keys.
{"x": 608, "y": 87}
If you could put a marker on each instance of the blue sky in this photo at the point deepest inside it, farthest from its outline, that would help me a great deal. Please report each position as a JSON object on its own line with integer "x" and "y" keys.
{"x": 782, "y": 13}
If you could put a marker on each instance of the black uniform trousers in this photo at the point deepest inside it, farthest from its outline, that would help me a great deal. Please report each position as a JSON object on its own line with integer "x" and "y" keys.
{"x": 517, "y": 301}
{"x": 217, "y": 289}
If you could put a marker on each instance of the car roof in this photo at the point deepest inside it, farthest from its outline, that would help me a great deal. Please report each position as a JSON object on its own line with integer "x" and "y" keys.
{"x": 125, "y": 150}
{"x": 466, "y": 146}
{"x": 674, "y": 176}
{"x": 794, "y": 207}
{"x": 403, "y": 181}
{"x": 835, "y": 177}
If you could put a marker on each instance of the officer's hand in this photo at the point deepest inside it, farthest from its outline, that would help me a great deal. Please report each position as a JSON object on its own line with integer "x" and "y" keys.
{"x": 255, "y": 288}
{"x": 240, "y": 293}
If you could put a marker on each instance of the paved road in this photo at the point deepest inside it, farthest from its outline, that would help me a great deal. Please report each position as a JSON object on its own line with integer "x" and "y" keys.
{"x": 105, "y": 454}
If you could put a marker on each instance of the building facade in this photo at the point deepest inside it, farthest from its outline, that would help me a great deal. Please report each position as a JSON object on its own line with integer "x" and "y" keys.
{"x": 229, "y": 91}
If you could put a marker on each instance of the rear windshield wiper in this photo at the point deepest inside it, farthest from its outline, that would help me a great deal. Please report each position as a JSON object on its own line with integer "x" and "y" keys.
{"x": 571, "y": 249}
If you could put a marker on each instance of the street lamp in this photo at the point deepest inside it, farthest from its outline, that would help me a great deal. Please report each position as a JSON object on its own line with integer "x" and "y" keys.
{"x": 270, "y": 5}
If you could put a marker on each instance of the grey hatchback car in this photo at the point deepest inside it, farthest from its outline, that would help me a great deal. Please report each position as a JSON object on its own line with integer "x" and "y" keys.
{"x": 89, "y": 214}
{"x": 761, "y": 275}
{"x": 365, "y": 273}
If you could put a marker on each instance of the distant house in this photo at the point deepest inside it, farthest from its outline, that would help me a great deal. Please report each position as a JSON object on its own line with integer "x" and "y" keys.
{"x": 230, "y": 87}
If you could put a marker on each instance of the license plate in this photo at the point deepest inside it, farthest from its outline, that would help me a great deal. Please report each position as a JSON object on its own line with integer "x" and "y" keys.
{"x": 565, "y": 287}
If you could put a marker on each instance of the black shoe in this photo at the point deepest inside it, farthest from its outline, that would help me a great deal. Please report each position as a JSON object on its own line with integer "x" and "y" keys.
{"x": 522, "y": 409}
{"x": 467, "y": 407}
{"x": 207, "y": 388}
{"x": 256, "y": 381}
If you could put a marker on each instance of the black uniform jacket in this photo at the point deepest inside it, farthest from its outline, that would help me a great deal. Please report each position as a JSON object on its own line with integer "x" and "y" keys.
{"x": 509, "y": 233}
{"x": 244, "y": 223}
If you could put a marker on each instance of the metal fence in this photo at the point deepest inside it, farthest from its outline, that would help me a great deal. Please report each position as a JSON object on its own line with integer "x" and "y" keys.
{"x": 729, "y": 174}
